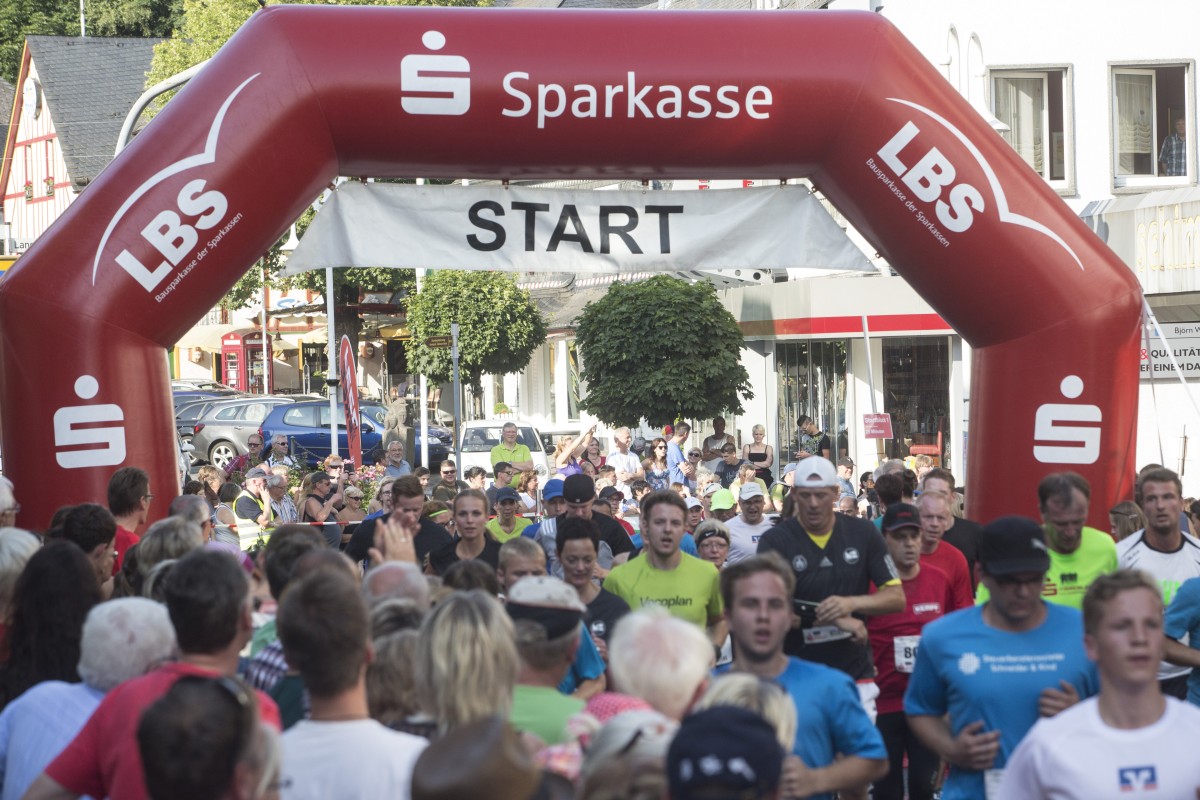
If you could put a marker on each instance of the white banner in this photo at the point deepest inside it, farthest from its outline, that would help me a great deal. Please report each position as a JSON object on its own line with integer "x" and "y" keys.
{"x": 551, "y": 230}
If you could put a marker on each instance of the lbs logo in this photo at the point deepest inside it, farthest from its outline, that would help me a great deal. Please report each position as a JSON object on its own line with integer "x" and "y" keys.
{"x": 173, "y": 233}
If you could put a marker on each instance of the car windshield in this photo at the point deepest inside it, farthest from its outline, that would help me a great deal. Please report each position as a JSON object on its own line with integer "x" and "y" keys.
{"x": 482, "y": 440}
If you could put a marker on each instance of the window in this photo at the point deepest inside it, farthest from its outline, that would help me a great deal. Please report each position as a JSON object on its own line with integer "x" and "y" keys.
{"x": 231, "y": 412}
{"x": 1147, "y": 103}
{"x": 302, "y": 416}
{"x": 1032, "y": 109}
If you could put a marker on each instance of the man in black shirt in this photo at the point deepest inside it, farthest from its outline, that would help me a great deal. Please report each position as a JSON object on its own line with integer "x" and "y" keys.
{"x": 615, "y": 546}
{"x": 407, "y": 500}
{"x": 836, "y": 558}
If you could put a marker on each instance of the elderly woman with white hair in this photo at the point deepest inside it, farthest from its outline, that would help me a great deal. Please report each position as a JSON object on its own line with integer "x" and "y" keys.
{"x": 122, "y": 639}
{"x": 16, "y": 548}
{"x": 9, "y": 507}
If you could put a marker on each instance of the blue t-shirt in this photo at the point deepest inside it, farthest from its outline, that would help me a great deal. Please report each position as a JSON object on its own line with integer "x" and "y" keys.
{"x": 674, "y": 460}
{"x": 1183, "y": 619}
{"x": 587, "y": 665}
{"x": 977, "y": 672}
{"x": 830, "y": 713}
{"x": 687, "y": 544}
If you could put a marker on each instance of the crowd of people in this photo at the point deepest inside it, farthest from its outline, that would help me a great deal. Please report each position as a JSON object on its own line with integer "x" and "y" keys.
{"x": 659, "y": 621}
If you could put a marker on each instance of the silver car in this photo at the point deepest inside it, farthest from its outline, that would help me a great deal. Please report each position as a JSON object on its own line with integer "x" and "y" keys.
{"x": 221, "y": 434}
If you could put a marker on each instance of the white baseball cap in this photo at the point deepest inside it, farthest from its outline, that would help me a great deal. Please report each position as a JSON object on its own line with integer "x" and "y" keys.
{"x": 750, "y": 490}
{"x": 815, "y": 473}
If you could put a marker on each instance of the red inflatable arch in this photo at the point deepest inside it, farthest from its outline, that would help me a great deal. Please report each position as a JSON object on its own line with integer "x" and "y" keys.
{"x": 303, "y": 94}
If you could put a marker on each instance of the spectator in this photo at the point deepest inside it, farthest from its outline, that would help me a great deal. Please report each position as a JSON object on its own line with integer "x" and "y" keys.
{"x": 509, "y": 450}
{"x": 16, "y": 548}
{"x": 546, "y": 616}
{"x": 396, "y": 614}
{"x": 53, "y": 596}
{"x": 767, "y": 699}
{"x": 381, "y": 503}
{"x": 448, "y": 487}
{"x": 93, "y": 529}
{"x": 278, "y": 456}
{"x": 527, "y": 489}
{"x": 226, "y": 520}
{"x": 129, "y": 502}
{"x": 760, "y": 454}
{"x": 392, "y": 693}
{"x": 627, "y": 757}
{"x": 1172, "y": 158}
{"x": 208, "y": 599}
{"x": 654, "y": 467}
{"x": 1127, "y": 519}
{"x": 680, "y": 652}
{"x": 168, "y": 539}
{"x": 121, "y": 640}
{"x": 724, "y": 753}
{"x": 463, "y": 576}
{"x": 203, "y": 740}
{"x": 396, "y": 579}
{"x": 395, "y": 466}
{"x": 213, "y": 479}
{"x": 467, "y": 661}
{"x": 283, "y": 507}
{"x": 9, "y": 507}
{"x": 195, "y": 510}
{"x": 485, "y": 758}
{"x": 340, "y": 751}
{"x": 728, "y": 468}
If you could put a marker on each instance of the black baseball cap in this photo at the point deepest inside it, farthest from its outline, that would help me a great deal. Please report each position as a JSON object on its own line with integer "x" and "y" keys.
{"x": 1013, "y": 544}
{"x": 723, "y": 751}
{"x": 900, "y": 515}
{"x": 579, "y": 489}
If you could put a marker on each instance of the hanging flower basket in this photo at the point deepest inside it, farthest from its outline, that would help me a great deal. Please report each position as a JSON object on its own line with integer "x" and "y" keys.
{"x": 28, "y": 190}
{"x": 50, "y": 186}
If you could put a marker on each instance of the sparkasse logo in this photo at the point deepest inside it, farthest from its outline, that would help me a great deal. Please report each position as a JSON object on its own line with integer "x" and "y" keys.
{"x": 424, "y": 90}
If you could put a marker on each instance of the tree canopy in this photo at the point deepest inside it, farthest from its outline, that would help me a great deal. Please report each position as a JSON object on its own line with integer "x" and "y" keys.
{"x": 499, "y": 326}
{"x": 661, "y": 349}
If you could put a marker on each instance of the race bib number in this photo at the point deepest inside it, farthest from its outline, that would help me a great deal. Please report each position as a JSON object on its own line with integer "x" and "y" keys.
{"x": 823, "y": 634}
{"x": 991, "y": 783}
{"x": 906, "y": 652}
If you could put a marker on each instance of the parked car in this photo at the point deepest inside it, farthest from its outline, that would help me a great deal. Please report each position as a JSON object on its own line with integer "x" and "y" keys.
{"x": 186, "y": 417}
{"x": 181, "y": 399}
{"x": 220, "y": 434}
{"x": 480, "y": 436}
{"x": 306, "y": 425}
{"x": 188, "y": 385}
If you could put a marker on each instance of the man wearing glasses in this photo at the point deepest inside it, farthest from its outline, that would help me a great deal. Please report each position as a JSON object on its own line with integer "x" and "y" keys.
{"x": 129, "y": 501}
{"x": 985, "y": 674}
{"x": 279, "y": 452}
{"x": 449, "y": 486}
{"x": 249, "y": 459}
{"x": 510, "y": 451}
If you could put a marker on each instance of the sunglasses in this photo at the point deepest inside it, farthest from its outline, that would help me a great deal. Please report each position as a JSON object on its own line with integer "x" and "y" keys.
{"x": 694, "y": 455}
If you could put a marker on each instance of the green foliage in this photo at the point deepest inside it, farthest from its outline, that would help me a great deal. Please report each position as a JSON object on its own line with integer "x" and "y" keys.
{"x": 21, "y": 18}
{"x": 499, "y": 326}
{"x": 661, "y": 349}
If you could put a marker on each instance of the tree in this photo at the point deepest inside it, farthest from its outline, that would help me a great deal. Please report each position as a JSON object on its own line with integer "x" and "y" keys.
{"x": 661, "y": 349}
{"x": 21, "y": 18}
{"x": 499, "y": 326}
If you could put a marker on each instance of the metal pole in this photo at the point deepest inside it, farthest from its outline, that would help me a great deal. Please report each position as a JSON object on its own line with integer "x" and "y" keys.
{"x": 423, "y": 389}
{"x": 266, "y": 354}
{"x": 457, "y": 392}
{"x": 870, "y": 371}
{"x": 332, "y": 374}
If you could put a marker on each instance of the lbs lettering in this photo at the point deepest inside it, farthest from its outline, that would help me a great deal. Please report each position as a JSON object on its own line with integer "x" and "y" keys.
{"x": 172, "y": 237}
{"x": 928, "y": 179}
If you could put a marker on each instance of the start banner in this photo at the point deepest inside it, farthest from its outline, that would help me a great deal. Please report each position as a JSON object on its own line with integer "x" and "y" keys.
{"x": 521, "y": 229}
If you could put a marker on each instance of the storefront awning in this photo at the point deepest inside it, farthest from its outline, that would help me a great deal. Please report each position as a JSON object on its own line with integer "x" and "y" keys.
{"x": 1157, "y": 234}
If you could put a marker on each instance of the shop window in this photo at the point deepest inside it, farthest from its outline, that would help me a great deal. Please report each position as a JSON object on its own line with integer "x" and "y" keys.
{"x": 1031, "y": 105}
{"x": 916, "y": 392}
{"x": 1147, "y": 103}
{"x": 811, "y": 382}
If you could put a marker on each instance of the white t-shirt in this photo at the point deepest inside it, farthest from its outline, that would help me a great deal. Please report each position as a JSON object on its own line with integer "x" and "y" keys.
{"x": 743, "y": 537}
{"x": 1076, "y": 756}
{"x": 1169, "y": 569}
{"x": 347, "y": 761}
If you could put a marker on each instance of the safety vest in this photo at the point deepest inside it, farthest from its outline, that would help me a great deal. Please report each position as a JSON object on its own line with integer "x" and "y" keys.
{"x": 249, "y": 531}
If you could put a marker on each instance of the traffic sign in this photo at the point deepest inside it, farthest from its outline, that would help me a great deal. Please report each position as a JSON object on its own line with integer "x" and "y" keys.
{"x": 439, "y": 342}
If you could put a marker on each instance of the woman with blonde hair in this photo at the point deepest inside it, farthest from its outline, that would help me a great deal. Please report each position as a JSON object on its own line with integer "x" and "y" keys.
{"x": 569, "y": 449}
{"x": 466, "y": 660}
{"x": 760, "y": 454}
{"x": 17, "y": 546}
{"x": 764, "y": 698}
{"x": 1127, "y": 517}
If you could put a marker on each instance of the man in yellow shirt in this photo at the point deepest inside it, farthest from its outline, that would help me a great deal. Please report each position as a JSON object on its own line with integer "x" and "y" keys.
{"x": 515, "y": 453}
{"x": 663, "y": 575}
{"x": 1078, "y": 554}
